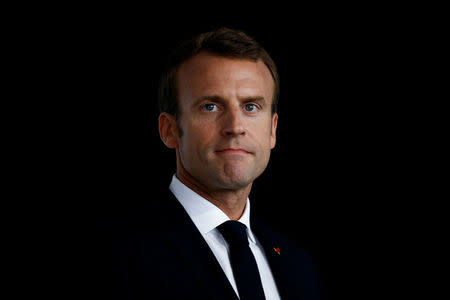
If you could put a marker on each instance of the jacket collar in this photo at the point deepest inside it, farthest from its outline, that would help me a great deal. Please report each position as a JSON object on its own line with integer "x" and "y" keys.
{"x": 196, "y": 252}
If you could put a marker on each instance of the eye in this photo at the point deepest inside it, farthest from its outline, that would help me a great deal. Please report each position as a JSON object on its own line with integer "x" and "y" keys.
{"x": 250, "y": 107}
{"x": 210, "y": 107}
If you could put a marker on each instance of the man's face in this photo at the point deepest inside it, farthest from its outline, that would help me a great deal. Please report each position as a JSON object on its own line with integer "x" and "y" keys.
{"x": 228, "y": 129}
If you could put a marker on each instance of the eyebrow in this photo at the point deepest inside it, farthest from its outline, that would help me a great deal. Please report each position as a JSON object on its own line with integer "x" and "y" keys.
{"x": 217, "y": 98}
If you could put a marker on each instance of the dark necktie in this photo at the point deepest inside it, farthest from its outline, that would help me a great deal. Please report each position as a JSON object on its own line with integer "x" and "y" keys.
{"x": 243, "y": 262}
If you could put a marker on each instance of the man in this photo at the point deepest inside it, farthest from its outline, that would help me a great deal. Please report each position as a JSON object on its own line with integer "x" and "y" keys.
{"x": 218, "y": 101}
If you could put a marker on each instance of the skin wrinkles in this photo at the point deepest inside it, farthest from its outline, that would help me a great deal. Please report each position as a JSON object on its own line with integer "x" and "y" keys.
{"x": 214, "y": 97}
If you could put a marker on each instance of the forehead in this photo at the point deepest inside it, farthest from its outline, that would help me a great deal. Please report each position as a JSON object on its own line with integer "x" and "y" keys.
{"x": 206, "y": 73}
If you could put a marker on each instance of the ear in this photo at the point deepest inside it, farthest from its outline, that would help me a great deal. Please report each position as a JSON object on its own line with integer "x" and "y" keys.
{"x": 273, "y": 137}
{"x": 168, "y": 130}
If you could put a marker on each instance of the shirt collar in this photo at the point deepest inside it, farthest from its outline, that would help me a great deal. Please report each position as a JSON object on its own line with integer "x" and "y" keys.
{"x": 205, "y": 215}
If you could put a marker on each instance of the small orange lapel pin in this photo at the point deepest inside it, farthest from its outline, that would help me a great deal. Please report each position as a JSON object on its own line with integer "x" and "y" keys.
{"x": 277, "y": 250}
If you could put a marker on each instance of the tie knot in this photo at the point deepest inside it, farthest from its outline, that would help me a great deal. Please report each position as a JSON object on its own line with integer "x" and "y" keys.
{"x": 234, "y": 232}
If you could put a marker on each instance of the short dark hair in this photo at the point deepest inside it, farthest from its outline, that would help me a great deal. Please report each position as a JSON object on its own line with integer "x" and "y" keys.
{"x": 224, "y": 42}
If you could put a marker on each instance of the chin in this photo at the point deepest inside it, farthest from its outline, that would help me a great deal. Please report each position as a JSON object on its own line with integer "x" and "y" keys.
{"x": 237, "y": 181}
{"x": 237, "y": 185}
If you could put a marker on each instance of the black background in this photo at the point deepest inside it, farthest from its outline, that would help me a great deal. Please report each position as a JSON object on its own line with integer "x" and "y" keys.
{"x": 340, "y": 175}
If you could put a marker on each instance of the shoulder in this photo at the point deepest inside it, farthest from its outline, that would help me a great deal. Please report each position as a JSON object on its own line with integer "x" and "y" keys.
{"x": 141, "y": 220}
{"x": 137, "y": 240}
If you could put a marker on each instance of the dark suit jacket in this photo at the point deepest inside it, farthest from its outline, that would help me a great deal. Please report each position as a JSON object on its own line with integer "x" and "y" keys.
{"x": 162, "y": 255}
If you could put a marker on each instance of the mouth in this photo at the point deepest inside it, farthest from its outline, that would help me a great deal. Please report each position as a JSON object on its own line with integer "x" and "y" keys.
{"x": 229, "y": 151}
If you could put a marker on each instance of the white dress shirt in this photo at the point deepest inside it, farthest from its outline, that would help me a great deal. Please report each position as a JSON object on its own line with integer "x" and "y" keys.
{"x": 206, "y": 216}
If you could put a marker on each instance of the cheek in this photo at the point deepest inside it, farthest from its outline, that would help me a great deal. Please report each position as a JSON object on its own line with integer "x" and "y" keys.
{"x": 263, "y": 130}
{"x": 198, "y": 138}
{"x": 265, "y": 142}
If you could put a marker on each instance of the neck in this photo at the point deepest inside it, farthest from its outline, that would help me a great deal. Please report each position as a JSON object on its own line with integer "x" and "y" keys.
{"x": 231, "y": 202}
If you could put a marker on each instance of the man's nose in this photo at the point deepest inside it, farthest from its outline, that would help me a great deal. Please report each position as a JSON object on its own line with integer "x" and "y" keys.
{"x": 234, "y": 123}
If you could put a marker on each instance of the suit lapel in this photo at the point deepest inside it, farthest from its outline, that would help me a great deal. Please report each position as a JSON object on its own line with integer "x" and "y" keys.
{"x": 277, "y": 261}
{"x": 192, "y": 247}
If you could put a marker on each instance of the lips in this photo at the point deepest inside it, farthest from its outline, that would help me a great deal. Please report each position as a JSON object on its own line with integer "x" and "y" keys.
{"x": 233, "y": 151}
